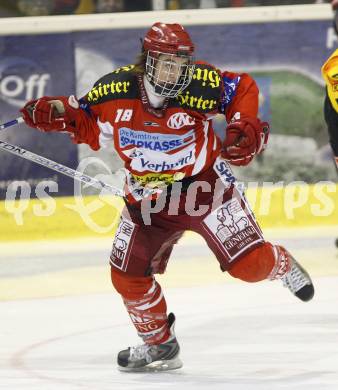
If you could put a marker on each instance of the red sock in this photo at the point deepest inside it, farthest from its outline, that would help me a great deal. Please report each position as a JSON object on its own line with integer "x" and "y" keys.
{"x": 145, "y": 304}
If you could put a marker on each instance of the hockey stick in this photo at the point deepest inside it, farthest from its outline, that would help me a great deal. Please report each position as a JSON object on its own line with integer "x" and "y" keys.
{"x": 76, "y": 175}
{"x": 12, "y": 123}
{"x": 45, "y": 162}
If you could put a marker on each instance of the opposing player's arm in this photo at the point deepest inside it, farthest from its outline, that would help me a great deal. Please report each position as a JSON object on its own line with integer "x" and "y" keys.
{"x": 331, "y": 119}
{"x": 330, "y": 75}
{"x": 246, "y": 136}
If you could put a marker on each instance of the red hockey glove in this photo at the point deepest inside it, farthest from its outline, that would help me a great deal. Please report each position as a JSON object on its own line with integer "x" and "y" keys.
{"x": 50, "y": 113}
{"x": 334, "y": 4}
{"x": 245, "y": 138}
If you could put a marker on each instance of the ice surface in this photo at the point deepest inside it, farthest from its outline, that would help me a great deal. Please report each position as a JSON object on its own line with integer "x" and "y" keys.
{"x": 233, "y": 335}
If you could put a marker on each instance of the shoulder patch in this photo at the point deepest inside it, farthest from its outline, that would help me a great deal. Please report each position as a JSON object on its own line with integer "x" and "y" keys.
{"x": 229, "y": 91}
{"x": 119, "y": 84}
{"x": 204, "y": 92}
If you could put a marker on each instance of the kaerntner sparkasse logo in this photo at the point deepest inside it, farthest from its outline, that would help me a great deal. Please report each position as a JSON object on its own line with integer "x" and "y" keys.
{"x": 22, "y": 79}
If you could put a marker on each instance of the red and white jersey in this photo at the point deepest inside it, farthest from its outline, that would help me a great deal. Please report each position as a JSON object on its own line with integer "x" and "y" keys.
{"x": 168, "y": 144}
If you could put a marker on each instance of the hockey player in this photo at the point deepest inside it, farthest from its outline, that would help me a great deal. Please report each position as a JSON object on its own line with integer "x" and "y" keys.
{"x": 157, "y": 114}
{"x": 330, "y": 75}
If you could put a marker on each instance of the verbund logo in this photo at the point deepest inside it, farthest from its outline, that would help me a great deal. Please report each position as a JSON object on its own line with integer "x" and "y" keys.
{"x": 179, "y": 120}
{"x": 21, "y": 80}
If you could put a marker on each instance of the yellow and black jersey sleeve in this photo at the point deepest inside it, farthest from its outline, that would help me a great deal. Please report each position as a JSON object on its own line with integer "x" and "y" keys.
{"x": 204, "y": 92}
{"x": 119, "y": 84}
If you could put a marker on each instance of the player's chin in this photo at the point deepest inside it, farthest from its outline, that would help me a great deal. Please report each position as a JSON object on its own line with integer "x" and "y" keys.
{"x": 167, "y": 84}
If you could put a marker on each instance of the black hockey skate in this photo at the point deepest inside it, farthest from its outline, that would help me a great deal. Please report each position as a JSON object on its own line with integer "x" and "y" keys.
{"x": 298, "y": 281}
{"x": 161, "y": 357}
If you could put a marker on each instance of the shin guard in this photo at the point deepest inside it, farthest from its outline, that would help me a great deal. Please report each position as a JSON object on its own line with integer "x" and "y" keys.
{"x": 146, "y": 306}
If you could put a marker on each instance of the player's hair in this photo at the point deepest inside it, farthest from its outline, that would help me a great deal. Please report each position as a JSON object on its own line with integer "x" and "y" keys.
{"x": 140, "y": 62}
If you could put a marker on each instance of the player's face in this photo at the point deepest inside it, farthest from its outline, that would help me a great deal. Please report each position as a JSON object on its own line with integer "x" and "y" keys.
{"x": 169, "y": 68}
{"x": 169, "y": 74}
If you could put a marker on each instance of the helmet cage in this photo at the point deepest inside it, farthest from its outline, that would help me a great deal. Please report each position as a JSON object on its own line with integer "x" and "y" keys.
{"x": 165, "y": 86}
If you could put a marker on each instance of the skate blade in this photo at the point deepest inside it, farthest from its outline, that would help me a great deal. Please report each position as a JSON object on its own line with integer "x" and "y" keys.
{"x": 158, "y": 366}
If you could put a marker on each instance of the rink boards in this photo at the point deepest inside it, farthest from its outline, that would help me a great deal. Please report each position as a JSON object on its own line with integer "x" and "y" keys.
{"x": 292, "y": 205}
